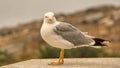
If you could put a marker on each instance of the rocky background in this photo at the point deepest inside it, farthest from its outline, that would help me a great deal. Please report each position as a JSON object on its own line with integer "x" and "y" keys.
{"x": 24, "y": 40}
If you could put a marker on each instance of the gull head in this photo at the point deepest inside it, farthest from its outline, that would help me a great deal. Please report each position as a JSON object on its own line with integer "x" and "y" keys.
{"x": 49, "y": 17}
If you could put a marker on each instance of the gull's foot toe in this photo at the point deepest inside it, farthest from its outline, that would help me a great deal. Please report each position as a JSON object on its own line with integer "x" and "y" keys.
{"x": 56, "y": 63}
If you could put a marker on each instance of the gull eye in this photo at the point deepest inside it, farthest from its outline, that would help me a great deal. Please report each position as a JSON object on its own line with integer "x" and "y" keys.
{"x": 46, "y": 16}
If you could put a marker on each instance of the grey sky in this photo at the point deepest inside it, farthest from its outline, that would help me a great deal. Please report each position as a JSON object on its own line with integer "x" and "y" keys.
{"x": 13, "y": 12}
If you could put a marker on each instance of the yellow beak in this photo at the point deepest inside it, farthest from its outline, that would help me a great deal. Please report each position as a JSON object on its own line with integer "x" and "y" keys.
{"x": 51, "y": 19}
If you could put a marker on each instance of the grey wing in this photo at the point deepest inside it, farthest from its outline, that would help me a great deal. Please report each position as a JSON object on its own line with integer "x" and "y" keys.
{"x": 72, "y": 34}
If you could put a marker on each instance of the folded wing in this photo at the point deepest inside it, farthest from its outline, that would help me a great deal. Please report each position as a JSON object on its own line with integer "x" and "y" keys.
{"x": 72, "y": 34}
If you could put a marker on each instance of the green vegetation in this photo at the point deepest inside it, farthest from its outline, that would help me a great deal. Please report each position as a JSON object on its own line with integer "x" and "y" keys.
{"x": 6, "y": 58}
{"x": 51, "y": 52}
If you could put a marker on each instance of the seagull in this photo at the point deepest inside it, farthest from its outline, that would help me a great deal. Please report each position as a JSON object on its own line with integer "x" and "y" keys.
{"x": 65, "y": 36}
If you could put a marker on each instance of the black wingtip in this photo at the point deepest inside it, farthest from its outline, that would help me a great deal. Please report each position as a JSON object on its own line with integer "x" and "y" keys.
{"x": 101, "y": 42}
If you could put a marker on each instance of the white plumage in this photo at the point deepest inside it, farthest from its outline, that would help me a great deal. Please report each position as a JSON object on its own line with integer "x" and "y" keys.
{"x": 52, "y": 38}
{"x": 48, "y": 34}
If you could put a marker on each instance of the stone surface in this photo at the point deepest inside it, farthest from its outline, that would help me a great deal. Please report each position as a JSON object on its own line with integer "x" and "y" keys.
{"x": 69, "y": 63}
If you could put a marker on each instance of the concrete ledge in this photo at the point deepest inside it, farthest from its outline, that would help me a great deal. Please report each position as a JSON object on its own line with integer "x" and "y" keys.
{"x": 69, "y": 63}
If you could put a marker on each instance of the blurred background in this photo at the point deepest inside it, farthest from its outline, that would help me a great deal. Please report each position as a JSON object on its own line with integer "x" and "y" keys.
{"x": 20, "y": 23}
